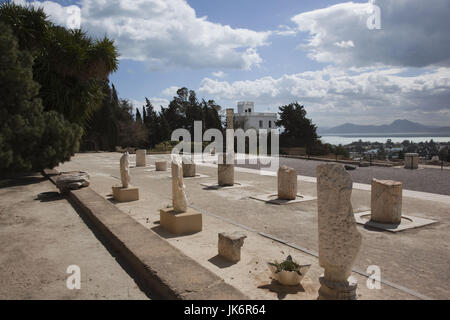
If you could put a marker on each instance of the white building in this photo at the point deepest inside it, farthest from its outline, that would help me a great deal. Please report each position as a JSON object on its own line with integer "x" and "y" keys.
{"x": 247, "y": 117}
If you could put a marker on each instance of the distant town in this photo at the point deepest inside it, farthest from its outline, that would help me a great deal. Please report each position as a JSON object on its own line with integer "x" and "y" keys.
{"x": 428, "y": 150}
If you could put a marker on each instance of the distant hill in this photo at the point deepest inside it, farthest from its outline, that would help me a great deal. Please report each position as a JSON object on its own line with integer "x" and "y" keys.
{"x": 398, "y": 126}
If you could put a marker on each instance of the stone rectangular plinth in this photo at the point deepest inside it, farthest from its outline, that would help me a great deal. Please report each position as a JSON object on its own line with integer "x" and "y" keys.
{"x": 161, "y": 165}
{"x": 386, "y": 201}
{"x": 122, "y": 194}
{"x": 180, "y": 223}
{"x": 230, "y": 244}
{"x": 141, "y": 158}
{"x": 225, "y": 169}
{"x": 411, "y": 161}
{"x": 188, "y": 170}
{"x": 287, "y": 183}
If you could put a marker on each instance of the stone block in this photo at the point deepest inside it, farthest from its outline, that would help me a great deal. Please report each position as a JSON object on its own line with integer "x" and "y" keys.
{"x": 122, "y": 194}
{"x": 287, "y": 183}
{"x": 189, "y": 167}
{"x": 386, "y": 201}
{"x": 230, "y": 244}
{"x": 141, "y": 158}
{"x": 161, "y": 165}
{"x": 225, "y": 170}
{"x": 180, "y": 223}
{"x": 411, "y": 161}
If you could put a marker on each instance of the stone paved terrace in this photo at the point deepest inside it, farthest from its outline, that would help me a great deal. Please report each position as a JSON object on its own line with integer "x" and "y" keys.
{"x": 416, "y": 259}
{"x": 41, "y": 235}
{"x": 425, "y": 179}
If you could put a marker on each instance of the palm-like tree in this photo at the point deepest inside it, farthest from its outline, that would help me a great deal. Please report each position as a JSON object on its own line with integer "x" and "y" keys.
{"x": 70, "y": 66}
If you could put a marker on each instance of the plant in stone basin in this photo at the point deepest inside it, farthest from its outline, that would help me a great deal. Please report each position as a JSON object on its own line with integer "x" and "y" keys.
{"x": 286, "y": 265}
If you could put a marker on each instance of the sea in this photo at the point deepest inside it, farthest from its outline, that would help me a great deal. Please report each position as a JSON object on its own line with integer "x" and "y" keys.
{"x": 349, "y": 138}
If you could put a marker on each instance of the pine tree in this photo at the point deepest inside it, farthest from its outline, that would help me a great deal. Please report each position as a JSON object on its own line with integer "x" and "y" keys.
{"x": 153, "y": 124}
{"x": 299, "y": 131}
{"x": 138, "y": 116}
{"x": 144, "y": 115}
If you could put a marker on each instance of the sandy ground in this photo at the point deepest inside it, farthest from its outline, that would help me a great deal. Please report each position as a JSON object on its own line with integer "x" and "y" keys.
{"x": 416, "y": 259}
{"x": 41, "y": 235}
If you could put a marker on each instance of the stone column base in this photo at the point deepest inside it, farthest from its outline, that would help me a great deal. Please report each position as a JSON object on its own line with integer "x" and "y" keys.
{"x": 122, "y": 194}
{"x": 141, "y": 158}
{"x": 332, "y": 290}
{"x": 225, "y": 175}
{"x": 188, "y": 170}
{"x": 180, "y": 223}
{"x": 161, "y": 165}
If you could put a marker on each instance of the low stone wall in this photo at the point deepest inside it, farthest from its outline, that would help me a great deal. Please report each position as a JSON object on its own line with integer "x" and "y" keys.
{"x": 159, "y": 267}
{"x": 293, "y": 151}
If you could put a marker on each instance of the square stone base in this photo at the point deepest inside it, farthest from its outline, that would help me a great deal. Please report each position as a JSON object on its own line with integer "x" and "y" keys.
{"x": 180, "y": 223}
{"x": 273, "y": 198}
{"x": 122, "y": 194}
{"x": 407, "y": 222}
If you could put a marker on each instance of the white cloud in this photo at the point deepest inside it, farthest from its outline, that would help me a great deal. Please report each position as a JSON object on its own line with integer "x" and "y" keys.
{"x": 219, "y": 74}
{"x": 155, "y": 101}
{"x": 67, "y": 16}
{"x": 137, "y": 104}
{"x": 413, "y": 33}
{"x": 334, "y": 95}
{"x": 345, "y": 44}
{"x": 284, "y": 30}
{"x": 171, "y": 91}
{"x": 165, "y": 33}
{"x": 159, "y": 102}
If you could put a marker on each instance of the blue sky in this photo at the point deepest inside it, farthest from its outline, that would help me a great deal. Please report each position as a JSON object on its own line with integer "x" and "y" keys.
{"x": 248, "y": 14}
{"x": 320, "y": 53}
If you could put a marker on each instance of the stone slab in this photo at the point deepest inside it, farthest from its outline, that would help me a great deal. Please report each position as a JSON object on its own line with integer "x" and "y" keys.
{"x": 122, "y": 194}
{"x": 408, "y": 222}
{"x": 180, "y": 223}
{"x": 273, "y": 198}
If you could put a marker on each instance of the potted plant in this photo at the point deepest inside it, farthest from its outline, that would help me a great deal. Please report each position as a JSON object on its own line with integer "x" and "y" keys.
{"x": 288, "y": 272}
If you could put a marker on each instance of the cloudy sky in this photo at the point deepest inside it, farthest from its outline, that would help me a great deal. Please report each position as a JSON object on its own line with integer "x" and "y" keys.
{"x": 361, "y": 62}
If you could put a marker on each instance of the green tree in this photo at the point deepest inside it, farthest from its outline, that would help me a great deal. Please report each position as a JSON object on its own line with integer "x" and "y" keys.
{"x": 153, "y": 124}
{"x": 70, "y": 67}
{"x": 138, "y": 116}
{"x": 298, "y": 131}
{"x": 30, "y": 139}
{"x": 101, "y": 131}
{"x": 131, "y": 133}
